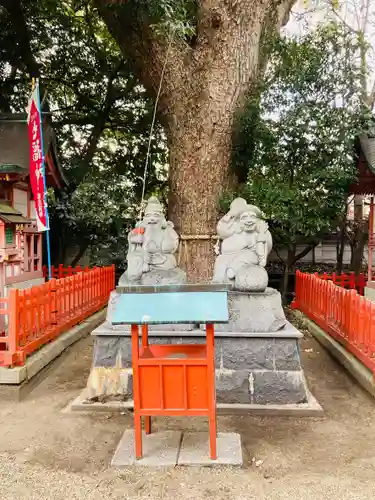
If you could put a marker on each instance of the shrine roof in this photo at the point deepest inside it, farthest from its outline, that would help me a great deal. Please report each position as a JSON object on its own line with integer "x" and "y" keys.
{"x": 14, "y": 148}
{"x": 367, "y": 143}
{"x": 365, "y": 158}
{"x": 11, "y": 168}
{"x": 11, "y": 215}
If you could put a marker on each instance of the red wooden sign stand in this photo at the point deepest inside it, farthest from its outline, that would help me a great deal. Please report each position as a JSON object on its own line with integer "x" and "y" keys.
{"x": 173, "y": 380}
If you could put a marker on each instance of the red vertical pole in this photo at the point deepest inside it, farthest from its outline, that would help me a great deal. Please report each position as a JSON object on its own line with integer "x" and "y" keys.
{"x": 136, "y": 393}
{"x": 13, "y": 323}
{"x": 352, "y": 281}
{"x": 297, "y": 292}
{"x": 370, "y": 239}
{"x": 210, "y": 349}
{"x": 144, "y": 336}
{"x": 334, "y": 280}
{"x": 147, "y": 419}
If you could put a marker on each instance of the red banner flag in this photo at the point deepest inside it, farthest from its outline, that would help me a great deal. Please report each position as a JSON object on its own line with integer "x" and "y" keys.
{"x": 37, "y": 161}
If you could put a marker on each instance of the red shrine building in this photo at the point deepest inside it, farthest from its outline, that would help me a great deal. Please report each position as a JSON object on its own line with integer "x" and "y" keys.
{"x": 21, "y": 245}
{"x": 365, "y": 185}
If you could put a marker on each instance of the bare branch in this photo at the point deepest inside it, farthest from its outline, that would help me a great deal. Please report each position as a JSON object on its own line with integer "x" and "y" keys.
{"x": 304, "y": 252}
{"x": 344, "y": 22}
{"x": 365, "y": 19}
{"x": 371, "y": 98}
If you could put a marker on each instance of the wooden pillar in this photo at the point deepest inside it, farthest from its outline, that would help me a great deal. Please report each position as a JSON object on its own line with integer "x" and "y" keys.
{"x": 40, "y": 251}
{"x": 370, "y": 239}
{"x": 32, "y": 252}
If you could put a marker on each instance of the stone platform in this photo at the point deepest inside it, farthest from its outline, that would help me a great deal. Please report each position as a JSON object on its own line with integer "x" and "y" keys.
{"x": 251, "y": 367}
{"x": 254, "y": 312}
{"x": 171, "y": 448}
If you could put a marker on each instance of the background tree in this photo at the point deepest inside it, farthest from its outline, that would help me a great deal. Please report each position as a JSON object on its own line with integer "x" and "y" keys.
{"x": 206, "y": 76}
{"x": 295, "y": 140}
{"x": 102, "y": 118}
{"x": 201, "y": 58}
{"x": 358, "y": 17}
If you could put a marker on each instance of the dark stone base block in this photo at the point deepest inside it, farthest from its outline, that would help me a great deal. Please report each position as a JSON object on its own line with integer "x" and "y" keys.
{"x": 249, "y": 369}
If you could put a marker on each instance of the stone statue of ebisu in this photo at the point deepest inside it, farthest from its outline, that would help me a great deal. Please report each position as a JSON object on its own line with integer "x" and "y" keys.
{"x": 245, "y": 245}
{"x": 152, "y": 245}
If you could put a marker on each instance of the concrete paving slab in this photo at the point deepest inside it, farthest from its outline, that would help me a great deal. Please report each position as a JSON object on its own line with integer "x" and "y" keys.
{"x": 159, "y": 450}
{"x": 14, "y": 375}
{"x": 195, "y": 449}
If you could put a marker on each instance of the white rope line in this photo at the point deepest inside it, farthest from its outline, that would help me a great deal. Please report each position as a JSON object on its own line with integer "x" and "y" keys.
{"x": 153, "y": 124}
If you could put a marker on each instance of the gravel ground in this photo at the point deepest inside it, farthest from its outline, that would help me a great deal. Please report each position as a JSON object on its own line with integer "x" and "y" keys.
{"x": 48, "y": 454}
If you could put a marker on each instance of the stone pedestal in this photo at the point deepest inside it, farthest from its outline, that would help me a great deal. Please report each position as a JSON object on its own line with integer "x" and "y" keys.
{"x": 251, "y": 368}
{"x": 254, "y": 312}
{"x": 256, "y": 354}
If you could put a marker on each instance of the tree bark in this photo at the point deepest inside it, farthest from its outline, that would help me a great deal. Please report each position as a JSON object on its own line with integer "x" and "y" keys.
{"x": 81, "y": 252}
{"x": 285, "y": 283}
{"x": 289, "y": 262}
{"x": 340, "y": 248}
{"x": 202, "y": 88}
{"x": 357, "y": 245}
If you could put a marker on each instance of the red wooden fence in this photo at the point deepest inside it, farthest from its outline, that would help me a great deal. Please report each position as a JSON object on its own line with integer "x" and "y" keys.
{"x": 60, "y": 271}
{"x": 351, "y": 280}
{"x": 40, "y": 314}
{"x": 346, "y": 316}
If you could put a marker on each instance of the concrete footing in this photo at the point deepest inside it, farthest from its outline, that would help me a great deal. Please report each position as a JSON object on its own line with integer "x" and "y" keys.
{"x": 37, "y": 361}
{"x": 171, "y": 448}
{"x": 311, "y": 408}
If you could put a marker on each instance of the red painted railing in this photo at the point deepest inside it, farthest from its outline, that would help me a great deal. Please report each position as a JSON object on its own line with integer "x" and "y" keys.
{"x": 343, "y": 314}
{"x": 40, "y": 314}
{"x": 352, "y": 281}
{"x": 60, "y": 271}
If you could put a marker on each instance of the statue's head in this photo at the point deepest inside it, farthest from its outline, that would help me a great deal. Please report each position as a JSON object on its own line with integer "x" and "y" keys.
{"x": 153, "y": 212}
{"x": 237, "y": 207}
{"x": 250, "y": 217}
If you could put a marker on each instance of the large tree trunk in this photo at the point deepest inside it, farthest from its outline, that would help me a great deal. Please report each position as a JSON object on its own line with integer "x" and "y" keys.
{"x": 199, "y": 172}
{"x": 203, "y": 85}
{"x": 200, "y": 151}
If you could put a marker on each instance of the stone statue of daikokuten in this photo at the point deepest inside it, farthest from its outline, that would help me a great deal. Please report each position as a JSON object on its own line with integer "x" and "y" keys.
{"x": 152, "y": 245}
{"x": 245, "y": 245}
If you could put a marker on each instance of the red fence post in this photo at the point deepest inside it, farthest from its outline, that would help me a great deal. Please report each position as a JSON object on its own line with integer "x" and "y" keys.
{"x": 297, "y": 297}
{"x": 334, "y": 278}
{"x": 343, "y": 314}
{"x": 53, "y": 289}
{"x": 38, "y": 315}
{"x": 13, "y": 326}
{"x": 60, "y": 271}
{"x": 113, "y": 280}
{"x": 352, "y": 283}
{"x": 361, "y": 284}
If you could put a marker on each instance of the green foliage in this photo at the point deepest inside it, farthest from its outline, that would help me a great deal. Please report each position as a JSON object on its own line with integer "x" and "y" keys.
{"x": 101, "y": 116}
{"x": 165, "y": 17}
{"x": 295, "y": 138}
